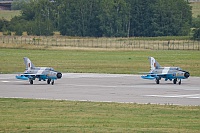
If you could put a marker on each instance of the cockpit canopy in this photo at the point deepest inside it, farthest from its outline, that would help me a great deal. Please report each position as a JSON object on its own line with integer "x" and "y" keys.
{"x": 175, "y": 68}
{"x": 49, "y": 69}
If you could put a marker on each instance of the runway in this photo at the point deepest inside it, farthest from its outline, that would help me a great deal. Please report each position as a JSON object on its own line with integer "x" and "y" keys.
{"x": 104, "y": 88}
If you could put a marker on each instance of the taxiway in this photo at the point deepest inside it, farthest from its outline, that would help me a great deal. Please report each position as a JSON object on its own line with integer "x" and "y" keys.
{"x": 104, "y": 88}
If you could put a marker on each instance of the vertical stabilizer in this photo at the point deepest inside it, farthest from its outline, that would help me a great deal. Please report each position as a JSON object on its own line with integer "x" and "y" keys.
{"x": 153, "y": 63}
{"x": 28, "y": 63}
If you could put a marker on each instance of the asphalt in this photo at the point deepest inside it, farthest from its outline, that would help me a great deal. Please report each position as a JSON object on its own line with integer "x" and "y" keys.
{"x": 104, "y": 88}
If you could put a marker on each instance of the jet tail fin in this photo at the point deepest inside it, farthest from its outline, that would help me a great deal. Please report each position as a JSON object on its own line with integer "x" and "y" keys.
{"x": 28, "y": 63}
{"x": 153, "y": 63}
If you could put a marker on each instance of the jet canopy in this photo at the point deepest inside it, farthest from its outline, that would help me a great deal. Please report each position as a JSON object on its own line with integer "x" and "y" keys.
{"x": 175, "y": 68}
{"x": 49, "y": 69}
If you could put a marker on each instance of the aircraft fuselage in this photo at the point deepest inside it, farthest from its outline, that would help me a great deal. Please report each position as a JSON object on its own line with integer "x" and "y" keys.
{"x": 168, "y": 73}
{"x": 42, "y": 73}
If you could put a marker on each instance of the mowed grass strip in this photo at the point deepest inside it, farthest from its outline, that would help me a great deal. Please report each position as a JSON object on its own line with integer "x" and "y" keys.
{"x": 195, "y": 8}
{"x": 25, "y": 115}
{"x": 9, "y": 14}
{"x": 93, "y": 61}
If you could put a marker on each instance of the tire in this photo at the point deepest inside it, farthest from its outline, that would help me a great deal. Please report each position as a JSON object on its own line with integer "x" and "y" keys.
{"x": 179, "y": 82}
{"x": 31, "y": 82}
{"x": 174, "y": 81}
{"x": 157, "y": 81}
{"x": 48, "y": 81}
{"x": 52, "y": 82}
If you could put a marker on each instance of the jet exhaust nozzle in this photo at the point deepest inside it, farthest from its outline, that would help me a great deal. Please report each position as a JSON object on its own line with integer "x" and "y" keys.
{"x": 59, "y": 75}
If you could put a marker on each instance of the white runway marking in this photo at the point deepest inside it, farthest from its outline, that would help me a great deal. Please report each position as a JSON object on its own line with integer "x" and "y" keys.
{"x": 176, "y": 96}
{"x": 5, "y": 81}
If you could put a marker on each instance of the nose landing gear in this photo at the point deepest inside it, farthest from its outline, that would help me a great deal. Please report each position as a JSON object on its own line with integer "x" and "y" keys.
{"x": 49, "y": 81}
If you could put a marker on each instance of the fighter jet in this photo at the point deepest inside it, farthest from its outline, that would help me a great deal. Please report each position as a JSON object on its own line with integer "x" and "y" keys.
{"x": 42, "y": 73}
{"x": 168, "y": 73}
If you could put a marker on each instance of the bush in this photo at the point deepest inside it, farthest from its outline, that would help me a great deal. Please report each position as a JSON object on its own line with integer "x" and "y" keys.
{"x": 196, "y": 35}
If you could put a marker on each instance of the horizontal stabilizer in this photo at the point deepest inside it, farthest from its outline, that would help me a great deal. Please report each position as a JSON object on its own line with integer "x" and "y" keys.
{"x": 148, "y": 77}
{"x": 22, "y": 77}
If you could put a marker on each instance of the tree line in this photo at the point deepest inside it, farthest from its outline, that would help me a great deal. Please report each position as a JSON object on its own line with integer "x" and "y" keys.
{"x": 102, "y": 18}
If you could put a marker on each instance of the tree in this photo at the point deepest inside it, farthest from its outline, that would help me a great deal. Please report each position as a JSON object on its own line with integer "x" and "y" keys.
{"x": 160, "y": 17}
{"x": 78, "y": 18}
{"x": 109, "y": 18}
{"x": 196, "y": 22}
{"x": 18, "y": 4}
{"x": 4, "y": 24}
{"x": 38, "y": 14}
{"x": 196, "y": 35}
{"x": 196, "y": 26}
{"x": 18, "y": 25}
{"x": 114, "y": 17}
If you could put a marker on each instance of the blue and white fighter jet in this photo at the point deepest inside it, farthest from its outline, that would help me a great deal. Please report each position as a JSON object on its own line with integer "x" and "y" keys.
{"x": 168, "y": 73}
{"x": 42, "y": 73}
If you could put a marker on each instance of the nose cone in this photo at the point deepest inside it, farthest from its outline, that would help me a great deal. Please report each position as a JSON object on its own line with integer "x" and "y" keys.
{"x": 187, "y": 74}
{"x": 59, "y": 75}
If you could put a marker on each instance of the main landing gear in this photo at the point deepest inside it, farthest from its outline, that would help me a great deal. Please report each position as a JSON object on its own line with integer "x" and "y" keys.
{"x": 49, "y": 81}
{"x": 175, "y": 80}
{"x": 158, "y": 80}
{"x": 179, "y": 82}
{"x": 31, "y": 81}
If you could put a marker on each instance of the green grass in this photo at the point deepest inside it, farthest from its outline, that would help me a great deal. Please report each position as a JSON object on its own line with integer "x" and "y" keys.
{"x": 162, "y": 38}
{"x": 195, "y": 8}
{"x": 8, "y": 15}
{"x": 25, "y": 115}
{"x": 93, "y": 61}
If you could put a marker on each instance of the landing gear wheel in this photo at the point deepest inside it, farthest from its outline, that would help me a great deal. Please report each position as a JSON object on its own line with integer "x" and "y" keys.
{"x": 174, "y": 81}
{"x": 157, "y": 81}
{"x": 31, "y": 81}
{"x": 179, "y": 82}
{"x": 52, "y": 82}
{"x": 48, "y": 81}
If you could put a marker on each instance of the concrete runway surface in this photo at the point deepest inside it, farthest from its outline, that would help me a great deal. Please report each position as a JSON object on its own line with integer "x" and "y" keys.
{"x": 104, "y": 88}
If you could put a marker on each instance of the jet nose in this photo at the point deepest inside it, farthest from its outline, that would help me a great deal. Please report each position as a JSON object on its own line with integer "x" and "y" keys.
{"x": 187, "y": 74}
{"x": 59, "y": 75}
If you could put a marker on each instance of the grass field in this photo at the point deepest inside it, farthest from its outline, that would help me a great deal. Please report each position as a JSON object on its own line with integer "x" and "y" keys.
{"x": 195, "y": 8}
{"x": 8, "y": 15}
{"x": 97, "y": 61}
{"x": 23, "y": 115}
